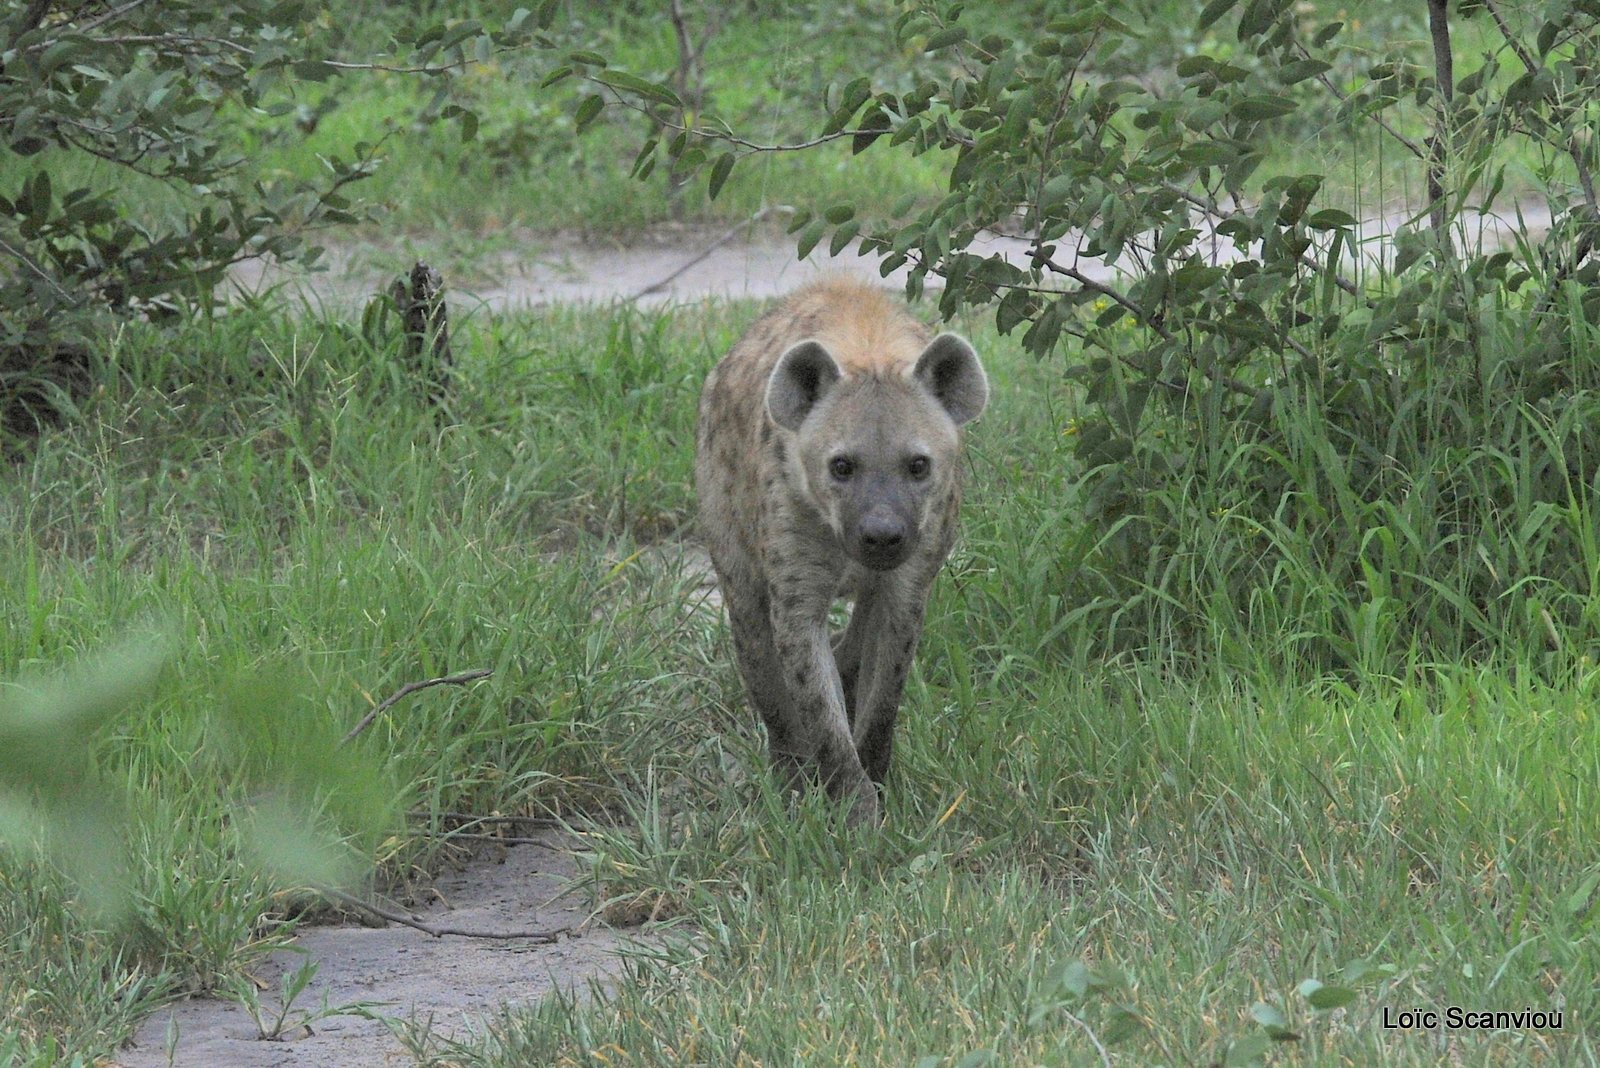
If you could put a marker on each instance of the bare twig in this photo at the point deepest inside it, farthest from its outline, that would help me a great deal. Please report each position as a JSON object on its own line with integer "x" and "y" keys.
{"x": 159, "y": 39}
{"x": 110, "y": 16}
{"x": 549, "y": 935}
{"x": 469, "y": 836}
{"x": 436, "y": 68}
{"x": 1511, "y": 39}
{"x": 28, "y": 262}
{"x": 1105, "y": 1058}
{"x": 1438, "y": 145}
{"x": 469, "y": 819}
{"x": 754, "y": 146}
{"x": 732, "y": 232}
{"x": 410, "y": 688}
{"x": 1211, "y": 209}
{"x": 687, "y": 70}
{"x": 1110, "y": 294}
{"x": 34, "y": 16}
{"x": 1383, "y": 124}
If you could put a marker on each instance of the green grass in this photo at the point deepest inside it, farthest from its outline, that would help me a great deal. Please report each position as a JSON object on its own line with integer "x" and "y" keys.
{"x": 1216, "y": 844}
{"x": 270, "y": 495}
{"x": 264, "y": 493}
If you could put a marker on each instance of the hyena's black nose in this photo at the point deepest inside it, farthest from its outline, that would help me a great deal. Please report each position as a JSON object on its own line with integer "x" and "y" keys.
{"x": 882, "y": 533}
{"x": 883, "y": 541}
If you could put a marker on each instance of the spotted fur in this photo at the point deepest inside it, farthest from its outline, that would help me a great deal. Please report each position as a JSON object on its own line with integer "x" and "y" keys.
{"x": 827, "y": 465}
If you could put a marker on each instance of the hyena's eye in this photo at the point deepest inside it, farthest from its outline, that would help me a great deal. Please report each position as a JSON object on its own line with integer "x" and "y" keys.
{"x": 918, "y": 467}
{"x": 841, "y": 467}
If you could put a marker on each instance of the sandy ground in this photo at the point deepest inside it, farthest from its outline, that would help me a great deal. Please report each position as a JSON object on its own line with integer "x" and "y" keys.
{"x": 453, "y": 982}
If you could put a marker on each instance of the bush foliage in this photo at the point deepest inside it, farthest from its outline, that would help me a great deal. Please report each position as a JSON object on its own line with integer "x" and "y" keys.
{"x": 1377, "y": 452}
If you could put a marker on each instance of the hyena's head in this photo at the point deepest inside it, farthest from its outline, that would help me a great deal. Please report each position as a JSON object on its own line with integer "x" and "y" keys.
{"x": 877, "y": 451}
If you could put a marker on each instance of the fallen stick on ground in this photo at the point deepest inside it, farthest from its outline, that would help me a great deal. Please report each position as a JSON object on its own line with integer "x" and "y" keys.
{"x": 552, "y": 822}
{"x": 551, "y": 935}
{"x": 469, "y": 836}
{"x": 733, "y": 232}
{"x": 409, "y": 689}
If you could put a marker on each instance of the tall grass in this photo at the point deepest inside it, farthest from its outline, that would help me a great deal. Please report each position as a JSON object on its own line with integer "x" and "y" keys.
{"x": 275, "y": 499}
{"x": 1132, "y": 822}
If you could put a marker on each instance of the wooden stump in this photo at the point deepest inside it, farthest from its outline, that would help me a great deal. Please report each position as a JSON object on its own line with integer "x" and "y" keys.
{"x": 425, "y": 319}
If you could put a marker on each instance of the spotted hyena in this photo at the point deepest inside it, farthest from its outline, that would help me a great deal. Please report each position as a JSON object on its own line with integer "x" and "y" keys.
{"x": 828, "y": 455}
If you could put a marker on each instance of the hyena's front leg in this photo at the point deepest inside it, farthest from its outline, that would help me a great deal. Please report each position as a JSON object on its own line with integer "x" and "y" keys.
{"x": 757, "y": 656}
{"x": 820, "y": 725}
{"x": 889, "y": 642}
{"x": 847, "y": 654}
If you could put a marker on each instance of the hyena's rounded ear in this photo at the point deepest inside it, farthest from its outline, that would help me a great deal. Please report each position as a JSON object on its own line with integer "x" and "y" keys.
{"x": 949, "y": 369}
{"x": 803, "y": 375}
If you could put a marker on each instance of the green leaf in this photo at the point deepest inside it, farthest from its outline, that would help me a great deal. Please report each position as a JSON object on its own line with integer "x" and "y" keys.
{"x": 1018, "y": 114}
{"x": 1269, "y": 1016}
{"x": 624, "y": 82}
{"x": 1301, "y": 69}
{"x": 855, "y": 94}
{"x": 1258, "y": 108}
{"x": 1323, "y": 998}
{"x": 1055, "y": 190}
{"x": 312, "y": 70}
{"x": 946, "y": 37}
{"x": 840, "y": 213}
{"x": 719, "y": 173}
{"x": 1331, "y": 219}
{"x": 59, "y": 52}
{"x": 590, "y": 109}
{"x": 645, "y": 161}
{"x": 1075, "y": 978}
{"x": 1208, "y": 154}
{"x": 1214, "y": 11}
{"x": 1113, "y": 314}
{"x": 1013, "y": 310}
{"x": 1259, "y": 15}
{"x": 559, "y": 74}
{"x": 864, "y": 138}
{"x": 1547, "y": 36}
{"x": 1578, "y": 901}
{"x": 1408, "y": 249}
{"x": 809, "y": 237}
{"x": 843, "y": 236}
{"x": 1248, "y": 1050}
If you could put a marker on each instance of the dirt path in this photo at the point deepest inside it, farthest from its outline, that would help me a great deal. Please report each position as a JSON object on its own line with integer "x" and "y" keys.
{"x": 453, "y": 982}
{"x": 686, "y": 264}
{"x": 670, "y": 267}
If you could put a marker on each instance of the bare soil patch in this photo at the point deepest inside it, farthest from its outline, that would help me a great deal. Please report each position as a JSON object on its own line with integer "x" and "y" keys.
{"x": 450, "y": 984}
